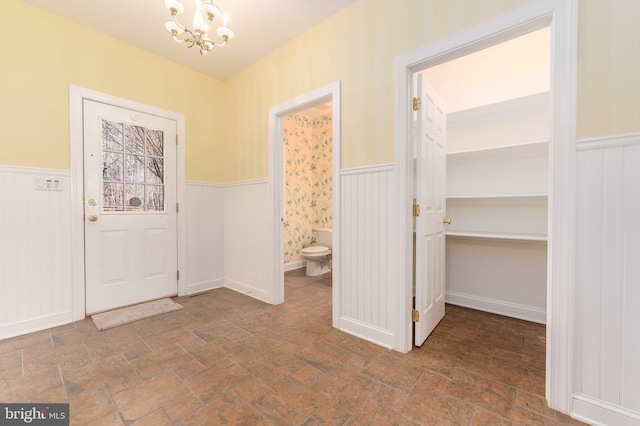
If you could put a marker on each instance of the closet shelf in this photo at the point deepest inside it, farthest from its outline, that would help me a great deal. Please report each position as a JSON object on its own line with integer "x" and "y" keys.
{"x": 496, "y": 236}
{"x": 497, "y": 199}
{"x": 523, "y": 150}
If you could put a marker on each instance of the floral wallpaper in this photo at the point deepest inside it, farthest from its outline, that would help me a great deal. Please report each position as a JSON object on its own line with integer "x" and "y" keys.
{"x": 307, "y": 156}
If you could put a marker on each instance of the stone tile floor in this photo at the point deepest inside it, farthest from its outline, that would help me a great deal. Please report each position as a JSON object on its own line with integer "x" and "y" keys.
{"x": 229, "y": 359}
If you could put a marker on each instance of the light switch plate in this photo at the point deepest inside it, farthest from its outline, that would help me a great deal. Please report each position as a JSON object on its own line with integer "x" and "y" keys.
{"x": 48, "y": 183}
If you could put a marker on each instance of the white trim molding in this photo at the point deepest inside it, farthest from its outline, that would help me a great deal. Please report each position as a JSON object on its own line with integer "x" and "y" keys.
{"x": 598, "y": 413}
{"x": 292, "y": 266}
{"x": 561, "y": 17}
{"x": 500, "y": 307}
{"x": 368, "y": 332}
{"x": 603, "y": 142}
{"x": 245, "y": 183}
{"x": 30, "y": 325}
{"x": 247, "y": 290}
{"x": 368, "y": 169}
{"x": 76, "y": 96}
{"x": 204, "y": 184}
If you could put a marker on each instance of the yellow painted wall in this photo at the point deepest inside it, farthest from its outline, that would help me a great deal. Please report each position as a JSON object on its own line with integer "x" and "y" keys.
{"x": 357, "y": 46}
{"x": 42, "y": 54}
{"x": 608, "y": 67}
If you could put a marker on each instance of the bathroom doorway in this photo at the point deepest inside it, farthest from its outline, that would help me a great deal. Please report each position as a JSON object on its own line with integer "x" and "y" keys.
{"x": 307, "y": 143}
{"x": 305, "y": 181}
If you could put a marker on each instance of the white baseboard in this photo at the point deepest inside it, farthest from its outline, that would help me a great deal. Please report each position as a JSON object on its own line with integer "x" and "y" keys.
{"x": 204, "y": 286}
{"x": 597, "y": 412}
{"x": 247, "y": 290}
{"x": 18, "y": 328}
{"x": 295, "y": 265}
{"x": 527, "y": 313}
{"x": 367, "y": 332}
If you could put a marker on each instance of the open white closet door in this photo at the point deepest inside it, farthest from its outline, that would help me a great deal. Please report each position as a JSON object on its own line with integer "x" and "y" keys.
{"x": 430, "y": 210}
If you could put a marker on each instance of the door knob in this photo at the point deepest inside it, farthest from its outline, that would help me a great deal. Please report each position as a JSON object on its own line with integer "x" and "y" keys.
{"x": 446, "y": 221}
{"x": 92, "y": 202}
{"x": 93, "y": 217}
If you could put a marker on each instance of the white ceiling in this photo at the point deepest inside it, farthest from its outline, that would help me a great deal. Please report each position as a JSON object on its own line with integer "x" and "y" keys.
{"x": 260, "y": 26}
{"x": 512, "y": 69}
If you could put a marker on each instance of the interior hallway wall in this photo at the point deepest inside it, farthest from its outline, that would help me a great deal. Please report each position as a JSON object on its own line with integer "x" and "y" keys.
{"x": 307, "y": 159}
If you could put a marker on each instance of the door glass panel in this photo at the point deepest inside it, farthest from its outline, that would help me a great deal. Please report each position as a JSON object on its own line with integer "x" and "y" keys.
{"x": 155, "y": 172}
{"x": 135, "y": 198}
{"x": 113, "y": 197}
{"x": 155, "y": 196}
{"x": 132, "y": 168}
{"x": 155, "y": 143}
{"x": 111, "y": 136}
{"x": 112, "y": 167}
{"x": 134, "y": 139}
{"x": 135, "y": 169}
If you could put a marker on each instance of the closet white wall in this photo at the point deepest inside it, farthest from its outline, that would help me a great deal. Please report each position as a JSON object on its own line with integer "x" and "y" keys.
{"x": 497, "y": 180}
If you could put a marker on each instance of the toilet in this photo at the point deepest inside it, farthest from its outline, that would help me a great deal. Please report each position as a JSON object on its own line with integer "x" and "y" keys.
{"x": 318, "y": 257}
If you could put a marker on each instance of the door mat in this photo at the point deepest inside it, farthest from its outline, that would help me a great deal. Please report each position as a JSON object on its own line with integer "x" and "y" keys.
{"x": 129, "y": 314}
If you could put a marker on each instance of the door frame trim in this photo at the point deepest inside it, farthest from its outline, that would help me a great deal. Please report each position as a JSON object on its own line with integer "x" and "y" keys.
{"x": 330, "y": 92}
{"x": 76, "y": 97}
{"x": 561, "y": 17}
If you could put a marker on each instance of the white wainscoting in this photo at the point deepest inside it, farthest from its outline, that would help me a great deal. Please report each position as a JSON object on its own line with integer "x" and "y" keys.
{"x": 35, "y": 251}
{"x": 368, "y": 253}
{"x": 607, "y": 293}
{"x": 248, "y": 257}
{"x": 205, "y": 236}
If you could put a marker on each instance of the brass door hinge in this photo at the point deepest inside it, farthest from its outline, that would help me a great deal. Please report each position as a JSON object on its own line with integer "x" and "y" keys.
{"x": 176, "y": 139}
{"x": 178, "y": 275}
{"x": 415, "y": 316}
{"x": 177, "y": 208}
{"x": 417, "y": 104}
{"x": 416, "y": 210}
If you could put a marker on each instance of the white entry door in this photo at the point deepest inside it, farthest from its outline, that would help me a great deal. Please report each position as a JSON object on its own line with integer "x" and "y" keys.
{"x": 430, "y": 196}
{"x": 130, "y": 207}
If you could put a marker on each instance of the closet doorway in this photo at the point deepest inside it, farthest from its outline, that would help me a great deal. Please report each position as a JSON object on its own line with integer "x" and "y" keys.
{"x": 561, "y": 18}
{"x": 482, "y": 126}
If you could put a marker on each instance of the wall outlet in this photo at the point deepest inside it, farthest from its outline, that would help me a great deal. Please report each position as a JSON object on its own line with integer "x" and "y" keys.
{"x": 48, "y": 183}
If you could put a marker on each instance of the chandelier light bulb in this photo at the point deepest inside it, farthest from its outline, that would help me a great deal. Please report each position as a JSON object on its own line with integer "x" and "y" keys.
{"x": 198, "y": 22}
{"x": 174, "y": 6}
{"x": 173, "y": 28}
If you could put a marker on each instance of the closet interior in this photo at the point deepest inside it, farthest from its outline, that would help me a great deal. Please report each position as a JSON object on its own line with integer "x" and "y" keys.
{"x": 496, "y": 195}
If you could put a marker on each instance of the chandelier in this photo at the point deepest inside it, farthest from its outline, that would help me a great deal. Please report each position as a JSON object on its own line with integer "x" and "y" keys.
{"x": 206, "y": 12}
